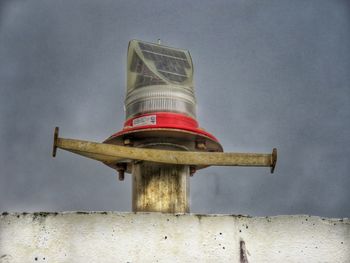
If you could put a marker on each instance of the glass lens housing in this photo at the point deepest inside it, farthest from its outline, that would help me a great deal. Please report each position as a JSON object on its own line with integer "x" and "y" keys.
{"x": 160, "y": 79}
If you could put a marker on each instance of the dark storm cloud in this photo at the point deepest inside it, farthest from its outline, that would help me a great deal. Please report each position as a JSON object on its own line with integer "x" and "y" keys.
{"x": 266, "y": 75}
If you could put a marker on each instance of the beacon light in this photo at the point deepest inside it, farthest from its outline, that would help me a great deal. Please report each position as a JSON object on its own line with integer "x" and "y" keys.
{"x": 161, "y": 144}
{"x": 160, "y": 102}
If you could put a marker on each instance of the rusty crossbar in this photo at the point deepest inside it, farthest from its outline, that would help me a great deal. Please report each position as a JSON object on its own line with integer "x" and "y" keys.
{"x": 108, "y": 153}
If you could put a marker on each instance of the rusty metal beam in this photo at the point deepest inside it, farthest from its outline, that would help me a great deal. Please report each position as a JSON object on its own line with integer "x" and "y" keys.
{"x": 109, "y": 153}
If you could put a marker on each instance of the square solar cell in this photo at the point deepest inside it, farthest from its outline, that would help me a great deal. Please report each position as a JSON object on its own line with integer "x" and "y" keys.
{"x": 171, "y": 63}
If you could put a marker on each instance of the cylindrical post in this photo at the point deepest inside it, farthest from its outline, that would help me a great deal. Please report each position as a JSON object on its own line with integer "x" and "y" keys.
{"x": 160, "y": 188}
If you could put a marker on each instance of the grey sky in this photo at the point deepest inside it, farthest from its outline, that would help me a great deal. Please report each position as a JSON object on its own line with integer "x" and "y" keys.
{"x": 267, "y": 74}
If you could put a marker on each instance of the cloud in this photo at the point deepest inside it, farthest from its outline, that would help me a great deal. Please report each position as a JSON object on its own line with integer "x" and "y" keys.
{"x": 272, "y": 75}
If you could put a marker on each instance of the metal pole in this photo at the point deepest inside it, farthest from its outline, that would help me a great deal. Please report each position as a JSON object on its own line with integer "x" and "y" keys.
{"x": 160, "y": 188}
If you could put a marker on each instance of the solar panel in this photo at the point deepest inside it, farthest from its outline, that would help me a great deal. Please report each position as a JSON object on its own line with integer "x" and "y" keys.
{"x": 170, "y": 63}
{"x": 145, "y": 76}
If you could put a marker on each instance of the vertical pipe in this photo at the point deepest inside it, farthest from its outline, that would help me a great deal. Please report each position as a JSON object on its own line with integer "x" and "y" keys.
{"x": 160, "y": 188}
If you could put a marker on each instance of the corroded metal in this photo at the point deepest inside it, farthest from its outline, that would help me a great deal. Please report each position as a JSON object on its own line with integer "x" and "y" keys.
{"x": 121, "y": 168}
{"x": 273, "y": 160}
{"x": 160, "y": 188}
{"x": 55, "y": 138}
{"x": 161, "y": 168}
{"x": 108, "y": 153}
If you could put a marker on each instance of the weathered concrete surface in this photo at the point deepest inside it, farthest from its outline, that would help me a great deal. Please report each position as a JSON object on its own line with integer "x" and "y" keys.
{"x": 154, "y": 237}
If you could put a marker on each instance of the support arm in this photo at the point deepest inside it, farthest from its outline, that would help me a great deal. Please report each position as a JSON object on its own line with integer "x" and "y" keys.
{"x": 108, "y": 153}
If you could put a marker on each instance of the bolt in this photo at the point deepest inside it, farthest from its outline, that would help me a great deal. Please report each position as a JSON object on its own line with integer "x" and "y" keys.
{"x": 121, "y": 167}
{"x": 192, "y": 170}
{"x": 201, "y": 145}
{"x": 127, "y": 142}
{"x": 121, "y": 175}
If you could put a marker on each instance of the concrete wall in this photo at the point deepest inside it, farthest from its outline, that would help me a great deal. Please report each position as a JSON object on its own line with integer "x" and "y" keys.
{"x": 142, "y": 237}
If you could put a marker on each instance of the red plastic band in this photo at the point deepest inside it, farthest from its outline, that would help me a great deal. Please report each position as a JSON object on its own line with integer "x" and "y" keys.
{"x": 163, "y": 120}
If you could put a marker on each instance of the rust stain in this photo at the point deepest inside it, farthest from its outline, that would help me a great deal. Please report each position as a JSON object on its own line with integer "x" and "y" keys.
{"x": 108, "y": 153}
{"x": 160, "y": 188}
{"x": 242, "y": 252}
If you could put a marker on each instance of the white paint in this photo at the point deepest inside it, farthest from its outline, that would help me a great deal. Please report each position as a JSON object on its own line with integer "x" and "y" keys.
{"x": 154, "y": 237}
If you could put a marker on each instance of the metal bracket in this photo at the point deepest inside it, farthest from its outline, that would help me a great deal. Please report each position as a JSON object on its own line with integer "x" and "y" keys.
{"x": 274, "y": 160}
{"x": 55, "y": 139}
{"x": 111, "y": 155}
